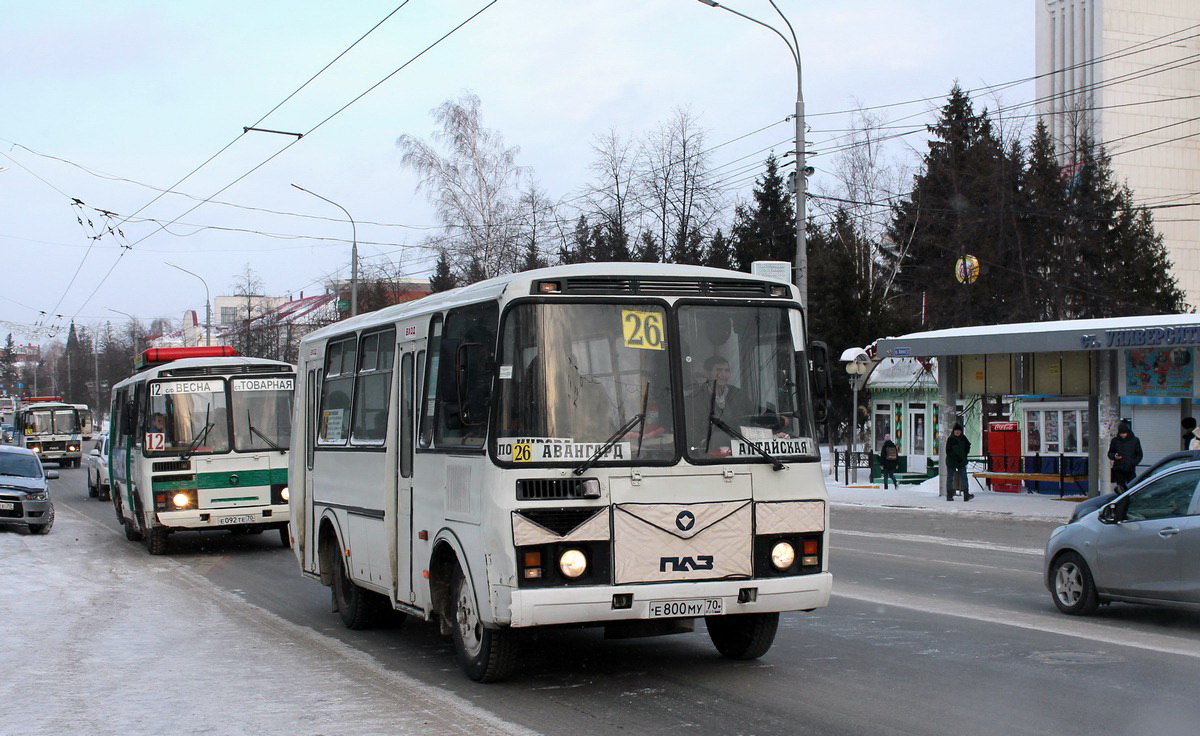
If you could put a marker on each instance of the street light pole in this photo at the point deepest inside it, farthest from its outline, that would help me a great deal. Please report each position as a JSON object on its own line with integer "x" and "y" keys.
{"x": 802, "y": 170}
{"x": 353, "y": 250}
{"x": 132, "y": 319}
{"x": 207, "y": 303}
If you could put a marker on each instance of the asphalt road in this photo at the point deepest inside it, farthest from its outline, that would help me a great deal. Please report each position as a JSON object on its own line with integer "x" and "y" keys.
{"x": 939, "y": 624}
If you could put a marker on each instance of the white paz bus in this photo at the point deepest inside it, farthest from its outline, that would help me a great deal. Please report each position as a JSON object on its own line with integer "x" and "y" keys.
{"x": 50, "y": 428}
{"x": 198, "y": 441}
{"x": 622, "y": 445}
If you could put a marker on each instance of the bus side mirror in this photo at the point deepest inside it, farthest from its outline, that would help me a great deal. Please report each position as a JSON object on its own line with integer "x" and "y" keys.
{"x": 818, "y": 356}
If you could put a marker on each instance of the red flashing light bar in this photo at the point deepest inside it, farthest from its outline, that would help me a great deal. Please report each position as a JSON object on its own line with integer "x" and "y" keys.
{"x": 34, "y": 399}
{"x": 155, "y": 356}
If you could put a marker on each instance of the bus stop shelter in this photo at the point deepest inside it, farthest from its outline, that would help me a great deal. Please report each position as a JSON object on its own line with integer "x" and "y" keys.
{"x": 1100, "y": 359}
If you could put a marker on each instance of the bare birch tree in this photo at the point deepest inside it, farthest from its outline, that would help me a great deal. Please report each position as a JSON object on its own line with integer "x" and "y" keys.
{"x": 473, "y": 187}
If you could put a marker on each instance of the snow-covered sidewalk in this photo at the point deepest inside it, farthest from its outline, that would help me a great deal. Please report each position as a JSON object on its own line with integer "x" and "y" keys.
{"x": 99, "y": 641}
{"x": 925, "y": 496}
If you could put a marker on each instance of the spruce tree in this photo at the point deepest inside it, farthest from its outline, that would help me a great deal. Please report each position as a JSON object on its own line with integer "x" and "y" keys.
{"x": 766, "y": 230}
{"x": 443, "y": 278}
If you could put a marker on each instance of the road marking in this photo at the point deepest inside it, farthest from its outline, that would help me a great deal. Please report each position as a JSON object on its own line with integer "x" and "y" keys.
{"x": 1060, "y": 624}
{"x": 928, "y": 539}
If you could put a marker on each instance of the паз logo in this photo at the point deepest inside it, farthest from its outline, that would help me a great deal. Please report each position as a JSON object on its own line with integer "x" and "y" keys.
{"x": 685, "y": 564}
{"x": 685, "y": 520}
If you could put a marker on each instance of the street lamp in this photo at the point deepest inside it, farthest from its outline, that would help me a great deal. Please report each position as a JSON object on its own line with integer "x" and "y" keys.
{"x": 802, "y": 169}
{"x": 207, "y": 303}
{"x": 132, "y": 319}
{"x": 858, "y": 365}
{"x": 353, "y": 251}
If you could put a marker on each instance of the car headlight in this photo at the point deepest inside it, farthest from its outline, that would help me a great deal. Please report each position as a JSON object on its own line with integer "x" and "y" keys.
{"x": 783, "y": 555}
{"x": 37, "y": 496}
{"x": 573, "y": 563}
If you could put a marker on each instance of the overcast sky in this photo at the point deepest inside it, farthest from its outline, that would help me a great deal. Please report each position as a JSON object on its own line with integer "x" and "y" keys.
{"x": 107, "y": 103}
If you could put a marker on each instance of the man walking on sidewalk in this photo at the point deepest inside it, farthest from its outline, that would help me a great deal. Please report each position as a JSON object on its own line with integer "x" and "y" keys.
{"x": 958, "y": 447}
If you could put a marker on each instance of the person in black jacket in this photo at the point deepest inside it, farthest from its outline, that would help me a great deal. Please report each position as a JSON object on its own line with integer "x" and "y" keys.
{"x": 889, "y": 460}
{"x": 1125, "y": 450}
{"x": 1189, "y": 428}
{"x": 958, "y": 448}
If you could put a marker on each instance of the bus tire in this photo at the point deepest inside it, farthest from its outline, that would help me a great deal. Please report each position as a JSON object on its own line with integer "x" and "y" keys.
{"x": 358, "y": 607}
{"x": 485, "y": 655}
{"x": 284, "y": 536}
{"x": 742, "y": 635}
{"x": 156, "y": 540}
{"x": 131, "y": 531}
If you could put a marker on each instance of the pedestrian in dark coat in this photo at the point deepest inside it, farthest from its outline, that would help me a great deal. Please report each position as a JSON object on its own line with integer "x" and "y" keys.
{"x": 1189, "y": 429}
{"x": 889, "y": 460}
{"x": 958, "y": 448}
{"x": 1125, "y": 450}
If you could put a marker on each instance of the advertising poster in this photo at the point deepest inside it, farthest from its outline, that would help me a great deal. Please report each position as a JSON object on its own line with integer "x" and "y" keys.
{"x": 1159, "y": 372}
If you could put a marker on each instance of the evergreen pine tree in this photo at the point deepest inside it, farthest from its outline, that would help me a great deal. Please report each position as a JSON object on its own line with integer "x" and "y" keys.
{"x": 443, "y": 278}
{"x": 719, "y": 253}
{"x": 766, "y": 230}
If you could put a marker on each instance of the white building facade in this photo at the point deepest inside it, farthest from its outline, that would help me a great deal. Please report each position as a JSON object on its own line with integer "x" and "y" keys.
{"x": 1125, "y": 70}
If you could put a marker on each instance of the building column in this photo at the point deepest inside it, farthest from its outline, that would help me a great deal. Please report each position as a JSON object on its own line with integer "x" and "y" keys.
{"x": 1104, "y": 413}
{"x": 947, "y": 414}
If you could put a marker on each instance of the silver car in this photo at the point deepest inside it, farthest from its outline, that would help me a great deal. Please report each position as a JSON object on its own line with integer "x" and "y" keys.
{"x": 1142, "y": 547}
{"x": 97, "y": 470}
{"x": 24, "y": 490}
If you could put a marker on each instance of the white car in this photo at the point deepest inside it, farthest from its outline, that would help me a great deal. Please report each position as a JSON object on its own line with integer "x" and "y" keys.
{"x": 97, "y": 470}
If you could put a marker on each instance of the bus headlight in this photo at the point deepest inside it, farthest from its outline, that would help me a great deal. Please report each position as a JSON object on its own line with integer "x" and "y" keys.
{"x": 181, "y": 500}
{"x": 572, "y": 563}
{"x": 284, "y": 494}
{"x": 783, "y": 555}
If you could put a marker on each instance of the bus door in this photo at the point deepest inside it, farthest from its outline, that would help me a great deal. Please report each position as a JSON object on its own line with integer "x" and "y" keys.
{"x": 306, "y": 525}
{"x": 412, "y": 355}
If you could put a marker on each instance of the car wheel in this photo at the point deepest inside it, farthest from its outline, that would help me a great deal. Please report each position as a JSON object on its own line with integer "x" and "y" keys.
{"x": 742, "y": 635}
{"x": 358, "y": 607}
{"x": 93, "y": 491}
{"x": 485, "y": 655}
{"x": 43, "y": 528}
{"x": 103, "y": 493}
{"x": 1074, "y": 590}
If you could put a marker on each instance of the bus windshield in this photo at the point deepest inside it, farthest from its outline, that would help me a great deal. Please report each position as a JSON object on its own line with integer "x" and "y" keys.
{"x": 262, "y": 413}
{"x": 53, "y": 421}
{"x": 745, "y": 392}
{"x": 574, "y": 377}
{"x": 187, "y": 416}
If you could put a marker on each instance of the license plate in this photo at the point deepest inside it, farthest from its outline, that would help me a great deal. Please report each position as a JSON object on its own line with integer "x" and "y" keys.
{"x": 237, "y": 520}
{"x": 7, "y": 506}
{"x": 677, "y": 609}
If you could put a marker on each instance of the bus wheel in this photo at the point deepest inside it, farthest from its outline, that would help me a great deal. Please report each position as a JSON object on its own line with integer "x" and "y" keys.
{"x": 359, "y": 608}
{"x": 486, "y": 655}
{"x": 743, "y": 635}
{"x": 156, "y": 540}
{"x": 283, "y": 536}
{"x": 131, "y": 531}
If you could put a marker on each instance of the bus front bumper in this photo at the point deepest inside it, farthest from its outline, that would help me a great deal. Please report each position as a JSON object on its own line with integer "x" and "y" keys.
{"x": 275, "y": 515}
{"x": 596, "y": 604}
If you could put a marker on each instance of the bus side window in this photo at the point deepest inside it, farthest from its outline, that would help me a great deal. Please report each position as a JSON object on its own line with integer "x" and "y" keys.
{"x": 337, "y": 392}
{"x": 373, "y": 388}
{"x": 406, "y": 415}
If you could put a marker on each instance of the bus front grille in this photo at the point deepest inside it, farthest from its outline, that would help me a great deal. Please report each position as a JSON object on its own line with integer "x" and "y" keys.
{"x": 560, "y": 521}
{"x": 165, "y": 466}
{"x": 664, "y": 286}
{"x": 549, "y": 489}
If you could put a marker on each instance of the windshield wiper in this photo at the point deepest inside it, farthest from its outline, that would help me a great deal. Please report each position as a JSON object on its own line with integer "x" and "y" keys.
{"x": 635, "y": 420}
{"x": 263, "y": 437}
{"x": 713, "y": 419}
{"x": 200, "y": 437}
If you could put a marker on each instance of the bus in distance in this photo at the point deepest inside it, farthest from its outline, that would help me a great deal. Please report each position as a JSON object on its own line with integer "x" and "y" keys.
{"x": 50, "y": 428}
{"x": 630, "y": 446}
{"x": 198, "y": 441}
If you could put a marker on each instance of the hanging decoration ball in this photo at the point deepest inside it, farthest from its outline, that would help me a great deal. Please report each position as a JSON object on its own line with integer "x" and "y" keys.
{"x": 966, "y": 269}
